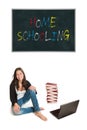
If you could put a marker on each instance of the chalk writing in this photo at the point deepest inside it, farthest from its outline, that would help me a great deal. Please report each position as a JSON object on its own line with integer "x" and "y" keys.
{"x": 46, "y": 22}
{"x": 49, "y": 23}
{"x": 44, "y": 36}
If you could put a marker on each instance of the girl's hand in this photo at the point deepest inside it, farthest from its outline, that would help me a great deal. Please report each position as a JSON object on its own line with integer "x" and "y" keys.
{"x": 16, "y": 107}
{"x": 32, "y": 88}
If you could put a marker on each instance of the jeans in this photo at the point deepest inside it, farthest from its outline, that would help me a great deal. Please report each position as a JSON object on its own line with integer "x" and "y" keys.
{"x": 30, "y": 94}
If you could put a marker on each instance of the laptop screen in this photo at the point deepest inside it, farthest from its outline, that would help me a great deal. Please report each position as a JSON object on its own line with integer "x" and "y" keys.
{"x": 68, "y": 109}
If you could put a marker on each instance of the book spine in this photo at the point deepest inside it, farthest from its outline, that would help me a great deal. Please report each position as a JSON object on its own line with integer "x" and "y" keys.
{"x": 52, "y": 92}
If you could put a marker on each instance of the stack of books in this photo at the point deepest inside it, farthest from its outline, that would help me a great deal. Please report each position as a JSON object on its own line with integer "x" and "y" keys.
{"x": 52, "y": 92}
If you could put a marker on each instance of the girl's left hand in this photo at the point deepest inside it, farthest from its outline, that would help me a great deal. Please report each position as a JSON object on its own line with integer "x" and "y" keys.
{"x": 32, "y": 88}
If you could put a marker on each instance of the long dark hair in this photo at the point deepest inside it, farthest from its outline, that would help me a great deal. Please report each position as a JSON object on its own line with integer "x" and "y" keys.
{"x": 15, "y": 80}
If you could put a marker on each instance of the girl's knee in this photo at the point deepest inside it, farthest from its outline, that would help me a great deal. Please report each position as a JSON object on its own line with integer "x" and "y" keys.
{"x": 32, "y": 91}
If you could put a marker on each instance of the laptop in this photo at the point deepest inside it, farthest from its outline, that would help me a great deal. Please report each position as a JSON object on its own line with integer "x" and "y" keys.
{"x": 65, "y": 109}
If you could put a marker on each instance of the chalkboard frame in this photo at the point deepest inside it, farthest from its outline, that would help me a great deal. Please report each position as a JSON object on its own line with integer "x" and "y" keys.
{"x": 62, "y": 21}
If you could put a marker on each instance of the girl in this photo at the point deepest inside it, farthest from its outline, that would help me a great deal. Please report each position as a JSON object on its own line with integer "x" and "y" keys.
{"x": 22, "y": 91}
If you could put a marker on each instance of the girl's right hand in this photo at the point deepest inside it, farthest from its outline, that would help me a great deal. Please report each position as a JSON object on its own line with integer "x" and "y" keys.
{"x": 16, "y": 107}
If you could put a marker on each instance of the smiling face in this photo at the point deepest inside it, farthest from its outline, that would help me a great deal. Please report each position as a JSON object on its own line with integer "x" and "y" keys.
{"x": 19, "y": 75}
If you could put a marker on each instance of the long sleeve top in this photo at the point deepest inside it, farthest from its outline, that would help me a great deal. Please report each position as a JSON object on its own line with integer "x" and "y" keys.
{"x": 13, "y": 94}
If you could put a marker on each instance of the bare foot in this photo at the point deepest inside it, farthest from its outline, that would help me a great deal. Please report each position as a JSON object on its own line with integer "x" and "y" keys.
{"x": 41, "y": 116}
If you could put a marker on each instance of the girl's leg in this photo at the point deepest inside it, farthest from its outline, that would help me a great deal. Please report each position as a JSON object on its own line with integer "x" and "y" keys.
{"x": 23, "y": 111}
{"x": 30, "y": 94}
{"x": 28, "y": 110}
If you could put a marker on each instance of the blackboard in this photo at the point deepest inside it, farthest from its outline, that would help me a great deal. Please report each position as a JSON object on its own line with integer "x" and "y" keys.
{"x": 43, "y": 30}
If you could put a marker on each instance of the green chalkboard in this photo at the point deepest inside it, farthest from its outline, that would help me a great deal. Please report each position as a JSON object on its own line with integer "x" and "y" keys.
{"x": 43, "y": 30}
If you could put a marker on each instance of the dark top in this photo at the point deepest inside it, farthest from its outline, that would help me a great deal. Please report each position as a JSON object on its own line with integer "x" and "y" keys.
{"x": 13, "y": 95}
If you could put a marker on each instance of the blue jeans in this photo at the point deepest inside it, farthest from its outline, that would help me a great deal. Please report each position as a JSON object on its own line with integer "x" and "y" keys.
{"x": 30, "y": 94}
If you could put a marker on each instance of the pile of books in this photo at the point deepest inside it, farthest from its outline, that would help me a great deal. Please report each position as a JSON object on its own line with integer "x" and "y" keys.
{"x": 52, "y": 92}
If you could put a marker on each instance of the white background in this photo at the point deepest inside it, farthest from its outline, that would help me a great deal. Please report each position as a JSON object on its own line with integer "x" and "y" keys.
{"x": 67, "y": 69}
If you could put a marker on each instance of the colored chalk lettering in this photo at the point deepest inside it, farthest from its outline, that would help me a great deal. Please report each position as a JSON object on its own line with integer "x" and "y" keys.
{"x": 44, "y": 36}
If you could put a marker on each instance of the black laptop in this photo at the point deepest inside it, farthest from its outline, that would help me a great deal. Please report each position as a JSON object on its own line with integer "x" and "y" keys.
{"x": 65, "y": 109}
